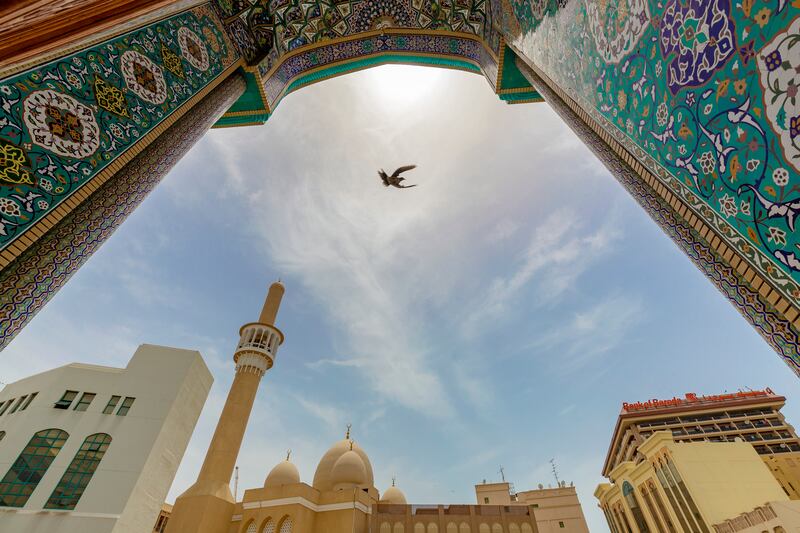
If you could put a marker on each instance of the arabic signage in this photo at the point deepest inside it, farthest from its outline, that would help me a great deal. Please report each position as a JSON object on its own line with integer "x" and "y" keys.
{"x": 691, "y": 398}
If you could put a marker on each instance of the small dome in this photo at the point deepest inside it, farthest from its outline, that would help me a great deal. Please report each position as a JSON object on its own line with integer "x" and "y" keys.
{"x": 348, "y": 471}
{"x": 284, "y": 473}
{"x": 393, "y": 495}
{"x": 323, "y": 477}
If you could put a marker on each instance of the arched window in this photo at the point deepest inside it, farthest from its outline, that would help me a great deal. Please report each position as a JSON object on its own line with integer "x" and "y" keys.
{"x": 79, "y": 472}
{"x": 497, "y": 528}
{"x": 452, "y": 527}
{"x": 513, "y": 527}
{"x": 633, "y": 505}
{"x": 526, "y": 528}
{"x": 386, "y": 527}
{"x": 419, "y": 527}
{"x": 269, "y": 526}
{"x": 433, "y": 528}
{"x": 463, "y": 528}
{"x": 286, "y": 525}
{"x": 21, "y": 479}
{"x": 251, "y": 527}
{"x": 398, "y": 527}
{"x": 483, "y": 528}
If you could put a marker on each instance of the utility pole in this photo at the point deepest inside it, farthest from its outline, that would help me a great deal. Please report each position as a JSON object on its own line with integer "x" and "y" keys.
{"x": 502, "y": 473}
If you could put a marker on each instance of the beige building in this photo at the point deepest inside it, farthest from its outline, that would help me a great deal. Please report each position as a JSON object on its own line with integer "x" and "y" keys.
{"x": 94, "y": 449}
{"x": 342, "y": 497}
{"x": 685, "y": 486}
{"x": 555, "y": 509}
{"x": 750, "y": 416}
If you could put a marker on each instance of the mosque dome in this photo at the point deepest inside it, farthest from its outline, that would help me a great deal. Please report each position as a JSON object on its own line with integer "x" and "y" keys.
{"x": 284, "y": 473}
{"x": 348, "y": 471}
{"x": 393, "y": 495}
{"x": 323, "y": 477}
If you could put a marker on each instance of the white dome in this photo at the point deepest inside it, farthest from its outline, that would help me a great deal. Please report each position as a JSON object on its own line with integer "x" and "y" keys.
{"x": 348, "y": 471}
{"x": 284, "y": 473}
{"x": 393, "y": 495}
{"x": 323, "y": 477}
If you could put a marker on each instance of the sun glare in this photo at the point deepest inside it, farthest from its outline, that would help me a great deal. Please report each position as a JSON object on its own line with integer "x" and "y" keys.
{"x": 402, "y": 85}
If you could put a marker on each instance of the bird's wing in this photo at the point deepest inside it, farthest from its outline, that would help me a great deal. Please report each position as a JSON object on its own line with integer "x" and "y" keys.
{"x": 406, "y": 186}
{"x": 403, "y": 169}
{"x": 384, "y": 177}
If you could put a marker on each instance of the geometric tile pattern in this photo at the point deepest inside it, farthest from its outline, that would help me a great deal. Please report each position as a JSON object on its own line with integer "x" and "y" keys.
{"x": 64, "y": 123}
{"x": 770, "y": 323}
{"x": 706, "y": 91}
{"x": 34, "y": 277}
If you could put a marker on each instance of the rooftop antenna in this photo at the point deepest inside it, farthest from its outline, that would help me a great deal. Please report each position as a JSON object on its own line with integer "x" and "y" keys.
{"x": 555, "y": 472}
{"x": 236, "y": 484}
{"x": 502, "y": 474}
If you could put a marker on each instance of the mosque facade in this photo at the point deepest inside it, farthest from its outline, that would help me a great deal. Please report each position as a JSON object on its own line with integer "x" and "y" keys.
{"x": 342, "y": 497}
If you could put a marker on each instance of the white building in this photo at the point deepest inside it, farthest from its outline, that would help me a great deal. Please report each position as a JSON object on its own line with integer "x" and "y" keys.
{"x": 94, "y": 449}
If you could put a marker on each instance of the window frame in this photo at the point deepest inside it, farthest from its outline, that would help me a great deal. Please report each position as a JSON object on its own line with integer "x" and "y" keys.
{"x": 83, "y": 403}
{"x": 111, "y": 405}
{"x": 126, "y": 406}
{"x": 6, "y": 406}
{"x": 29, "y": 400}
{"x": 70, "y": 488}
{"x": 32, "y": 463}
{"x": 65, "y": 406}
{"x": 17, "y": 404}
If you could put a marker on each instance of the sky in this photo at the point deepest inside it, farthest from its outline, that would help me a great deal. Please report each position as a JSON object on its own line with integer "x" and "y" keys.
{"x": 496, "y": 315}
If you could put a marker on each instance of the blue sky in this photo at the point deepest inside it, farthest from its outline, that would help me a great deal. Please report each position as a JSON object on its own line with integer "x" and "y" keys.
{"x": 498, "y": 314}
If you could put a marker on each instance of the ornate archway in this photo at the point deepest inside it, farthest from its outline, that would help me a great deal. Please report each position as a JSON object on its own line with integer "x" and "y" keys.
{"x": 692, "y": 106}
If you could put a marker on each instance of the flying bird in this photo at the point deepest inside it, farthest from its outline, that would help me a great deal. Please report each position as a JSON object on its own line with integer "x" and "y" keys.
{"x": 395, "y": 180}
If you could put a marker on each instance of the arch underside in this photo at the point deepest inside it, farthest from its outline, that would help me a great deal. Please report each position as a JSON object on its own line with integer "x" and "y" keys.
{"x": 269, "y": 83}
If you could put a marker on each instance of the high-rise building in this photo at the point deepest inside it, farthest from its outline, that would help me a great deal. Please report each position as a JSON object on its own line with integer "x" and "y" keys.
{"x": 750, "y": 416}
{"x": 94, "y": 449}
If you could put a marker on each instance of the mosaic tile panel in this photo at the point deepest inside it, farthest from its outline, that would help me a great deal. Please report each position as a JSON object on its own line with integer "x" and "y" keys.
{"x": 265, "y": 30}
{"x": 32, "y": 279}
{"x": 64, "y": 123}
{"x": 706, "y": 91}
{"x": 771, "y": 324}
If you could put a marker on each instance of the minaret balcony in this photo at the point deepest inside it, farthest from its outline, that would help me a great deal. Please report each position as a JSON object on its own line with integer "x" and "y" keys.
{"x": 258, "y": 346}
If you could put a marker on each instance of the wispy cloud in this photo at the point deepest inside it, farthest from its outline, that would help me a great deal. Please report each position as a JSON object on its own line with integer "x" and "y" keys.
{"x": 560, "y": 250}
{"x": 593, "y": 332}
{"x": 328, "y": 414}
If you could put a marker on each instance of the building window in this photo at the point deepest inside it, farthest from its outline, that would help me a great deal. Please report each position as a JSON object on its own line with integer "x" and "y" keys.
{"x": 660, "y": 504}
{"x": 29, "y": 468}
{"x": 633, "y": 505}
{"x": 84, "y": 402}
{"x": 112, "y": 403}
{"x": 28, "y": 401}
{"x": 66, "y": 400}
{"x": 6, "y": 406}
{"x": 485, "y": 500}
{"x": 2, "y": 435}
{"x": 126, "y": 406}
{"x": 79, "y": 472}
{"x": 16, "y": 405}
{"x": 671, "y": 470}
{"x": 251, "y": 527}
{"x": 670, "y": 490}
{"x": 561, "y": 525}
{"x": 286, "y": 525}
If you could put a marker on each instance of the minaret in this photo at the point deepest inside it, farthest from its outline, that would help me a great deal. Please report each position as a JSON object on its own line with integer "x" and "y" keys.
{"x": 207, "y": 506}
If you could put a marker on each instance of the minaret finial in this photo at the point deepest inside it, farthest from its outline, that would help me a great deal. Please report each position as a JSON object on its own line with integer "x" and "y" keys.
{"x": 288, "y": 453}
{"x": 394, "y": 479}
{"x": 347, "y": 435}
{"x": 271, "y": 304}
{"x": 351, "y": 445}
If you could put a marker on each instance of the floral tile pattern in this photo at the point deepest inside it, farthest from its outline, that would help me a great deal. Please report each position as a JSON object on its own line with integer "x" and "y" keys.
{"x": 64, "y": 122}
{"x": 706, "y": 89}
